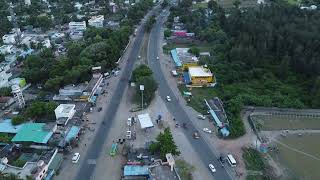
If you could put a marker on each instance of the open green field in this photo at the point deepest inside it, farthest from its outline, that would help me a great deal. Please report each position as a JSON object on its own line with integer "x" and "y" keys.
{"x": 198, "y": 96}
{"x": 300, "y": 155}
{"x": 284, "y": 122}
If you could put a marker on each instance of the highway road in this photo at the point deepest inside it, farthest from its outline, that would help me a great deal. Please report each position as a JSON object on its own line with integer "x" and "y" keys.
{"x": 86, "y": 170}
{"x": 206, "y": 154}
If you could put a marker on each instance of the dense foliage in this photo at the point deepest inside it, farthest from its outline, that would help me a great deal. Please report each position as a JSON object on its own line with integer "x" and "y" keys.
{"x": 142, "y": 75}
{"x": 164, "y": 145}
{"x": 5, "y": 91}
{"x": 265, "y": 56}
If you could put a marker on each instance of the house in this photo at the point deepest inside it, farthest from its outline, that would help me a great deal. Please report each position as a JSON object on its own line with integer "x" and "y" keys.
{"x": 35, "y": 133}
{"x": 92, "y": 87}
{"x": 96, "y": 21}
{"x": 113, "y": 25}
{"x": 5, "y": 75}
{"x": 183, "y": 59}
{"x": 64, "y": 112}
{"x": 76, "y": 35}
{"x": 77, "y": 26}
{"x": 199, "y": 76}
{"x": 7, "y": 49}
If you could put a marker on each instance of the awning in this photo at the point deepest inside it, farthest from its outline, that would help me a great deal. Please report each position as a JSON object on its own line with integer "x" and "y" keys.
{"x": 145, "y": 121}
{"x": 74, "y": 131}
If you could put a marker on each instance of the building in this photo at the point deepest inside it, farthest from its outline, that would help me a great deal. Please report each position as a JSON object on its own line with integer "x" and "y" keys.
{"x": 9, "y": 38}
{"x": 76, "y": 35}
{"x": 5, "y": 75}
{"x": 33, "y": 132}
{"x": 218, "y": 114}
{"x": 27, "y": 2}
{"x": 64, "y": 112}
{"x": 199, "y": 76}
{"x": 7, "y": 49}
{"x": 7, "y": 127}
{"x": 89, "y": 94}
{"x": 77, "y": 26}
{"x": 96, "y": 21}
{"x": 183, "y": 59}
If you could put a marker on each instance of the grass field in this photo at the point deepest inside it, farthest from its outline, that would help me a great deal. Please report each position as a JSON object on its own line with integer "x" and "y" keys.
{"x": 198, "y": 96}
{"x": 299, "y": 164}
{"x": 282, "y": 122}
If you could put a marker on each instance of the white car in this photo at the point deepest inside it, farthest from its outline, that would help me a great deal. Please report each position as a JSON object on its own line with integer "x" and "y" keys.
{"x": 157, "y": 57}
{"x": 75, "y": 157}
{"x": 207, "y": 130}
{"x": 200, "y": 116}
{"x": 212, "y": 168}
{"x": 168, "y": 98}
{"x": 139, "y": 57}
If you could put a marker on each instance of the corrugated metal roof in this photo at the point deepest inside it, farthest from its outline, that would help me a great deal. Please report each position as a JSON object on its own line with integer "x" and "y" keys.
{"x": 32, "y": 132}
{"x": 216, "y": 119}
{"x": 7, "y": 127}
{"x": 175, "y": 58}
{"x": 134, "y": 170}
{"x": 72, "y": 133}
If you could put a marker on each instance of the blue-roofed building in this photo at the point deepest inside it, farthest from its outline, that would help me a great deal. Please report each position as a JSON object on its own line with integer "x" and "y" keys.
{"x": 175, "y": 58}
{"x": 73, "y": 133}
{"x": 186, "y": 78}
{"x": 7, "y": 127}
{"x": 136, "y": 170}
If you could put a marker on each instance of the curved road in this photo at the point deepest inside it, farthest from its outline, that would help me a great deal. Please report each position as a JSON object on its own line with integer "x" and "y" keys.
{"x": 201, "y": 147}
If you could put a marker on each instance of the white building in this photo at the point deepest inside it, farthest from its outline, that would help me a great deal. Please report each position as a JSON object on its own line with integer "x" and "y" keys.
{"x": 46, "y": 43}
{"x": 96, "y": 21}
{"x": 77, "y": 26}
{"x": 4, "y": 76}
{"x": 27, "y": 2}
{"x": 64, "y": 112}
{"x": 7, "y": 49}
{"x": 9, "y": 38}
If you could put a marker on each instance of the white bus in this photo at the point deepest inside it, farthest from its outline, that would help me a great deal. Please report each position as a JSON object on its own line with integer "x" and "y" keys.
{"x": 231, "y": 160}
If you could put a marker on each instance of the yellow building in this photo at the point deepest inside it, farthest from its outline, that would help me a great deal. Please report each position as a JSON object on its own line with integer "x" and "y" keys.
{"x": 200, "y": 76}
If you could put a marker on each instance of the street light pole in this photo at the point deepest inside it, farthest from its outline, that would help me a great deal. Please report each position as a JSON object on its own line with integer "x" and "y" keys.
{"x": 141, "y": 89}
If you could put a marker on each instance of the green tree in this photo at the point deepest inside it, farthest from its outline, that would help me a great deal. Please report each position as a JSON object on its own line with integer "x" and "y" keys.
{"x": 5, "y": 91}
{"x": 167, "y": 33}
{"x": 140, "y": 72}
{"x": 165, "y": 144}
{"x": 195, "y": 51}
{"x": 2, "y": 58}
{"x": 150, "y": 87}
{"x": 18, "y": 120}
{"x": 5, "y": 138}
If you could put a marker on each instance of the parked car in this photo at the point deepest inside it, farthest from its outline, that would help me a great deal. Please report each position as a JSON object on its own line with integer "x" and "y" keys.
{"x": 168, "y": 98}
{"x": 76, "y": 157}
{"x": 196, "y": 135}
{"x": 200, "y": 116}
{"x": 212, "y": 168}
{"x": 207, "y": 130}
{"x": 157, "y": 57}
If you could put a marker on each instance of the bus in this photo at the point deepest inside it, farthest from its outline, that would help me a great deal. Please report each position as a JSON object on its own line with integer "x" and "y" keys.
{"x": 231, "y": 160}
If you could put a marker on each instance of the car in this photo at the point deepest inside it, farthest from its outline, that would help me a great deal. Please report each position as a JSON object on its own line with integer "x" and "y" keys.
{"x": 157, "y": 57}
{"x": 202, "y": 117}
{"x": 196, "y": 135}
{"x": 207, "y": 130}
{"x": 168, "y": 98}
{"x": 75, "y": 157}
{"x": 139, "y": 57}
{"x": 212, "y": 168}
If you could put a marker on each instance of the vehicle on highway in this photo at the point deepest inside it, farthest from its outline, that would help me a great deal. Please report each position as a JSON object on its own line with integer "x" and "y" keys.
{"x": 200, "y": 116}
{"x": 157, "y": 57}
{"x": 168, "y": 98}
{"x": 196, "y": 135}
{"x": 212, "y": 168}
{"x": 75, "y": 157}
{"x": 139, "y": 57}
{"x": 207, "y": 130}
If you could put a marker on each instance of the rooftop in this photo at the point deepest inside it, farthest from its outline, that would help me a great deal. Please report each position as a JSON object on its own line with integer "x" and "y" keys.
{"x": 73, "y": 132}
{"x": 199, "y": 71}
{"x": 135, "y": 170}
{"x": 66, "y": 108}
{"x": 7, "y": 127}
{"x": 32, "y": 132}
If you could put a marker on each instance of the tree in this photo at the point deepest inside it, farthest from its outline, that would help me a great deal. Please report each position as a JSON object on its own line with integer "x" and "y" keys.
{"x": 195, "y": 51}
{"x": 140, "y": 72}
{"x": 150, "y": 23}
{"x": 2, "y": 58}
{"x": 167, "y": 33}
{"x": 164, "y": 144}
{"x": 41, "y": 111}
{"x": 18, "y": 120}
{"x": 213, "y": 5}
{"x": 5, "y": 91}
{"x": 150, "y": 87}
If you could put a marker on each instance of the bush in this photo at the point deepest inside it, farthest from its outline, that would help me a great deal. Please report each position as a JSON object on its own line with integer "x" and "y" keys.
{"x": 5, "y": 91}
{"x": 18, "y": 120}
